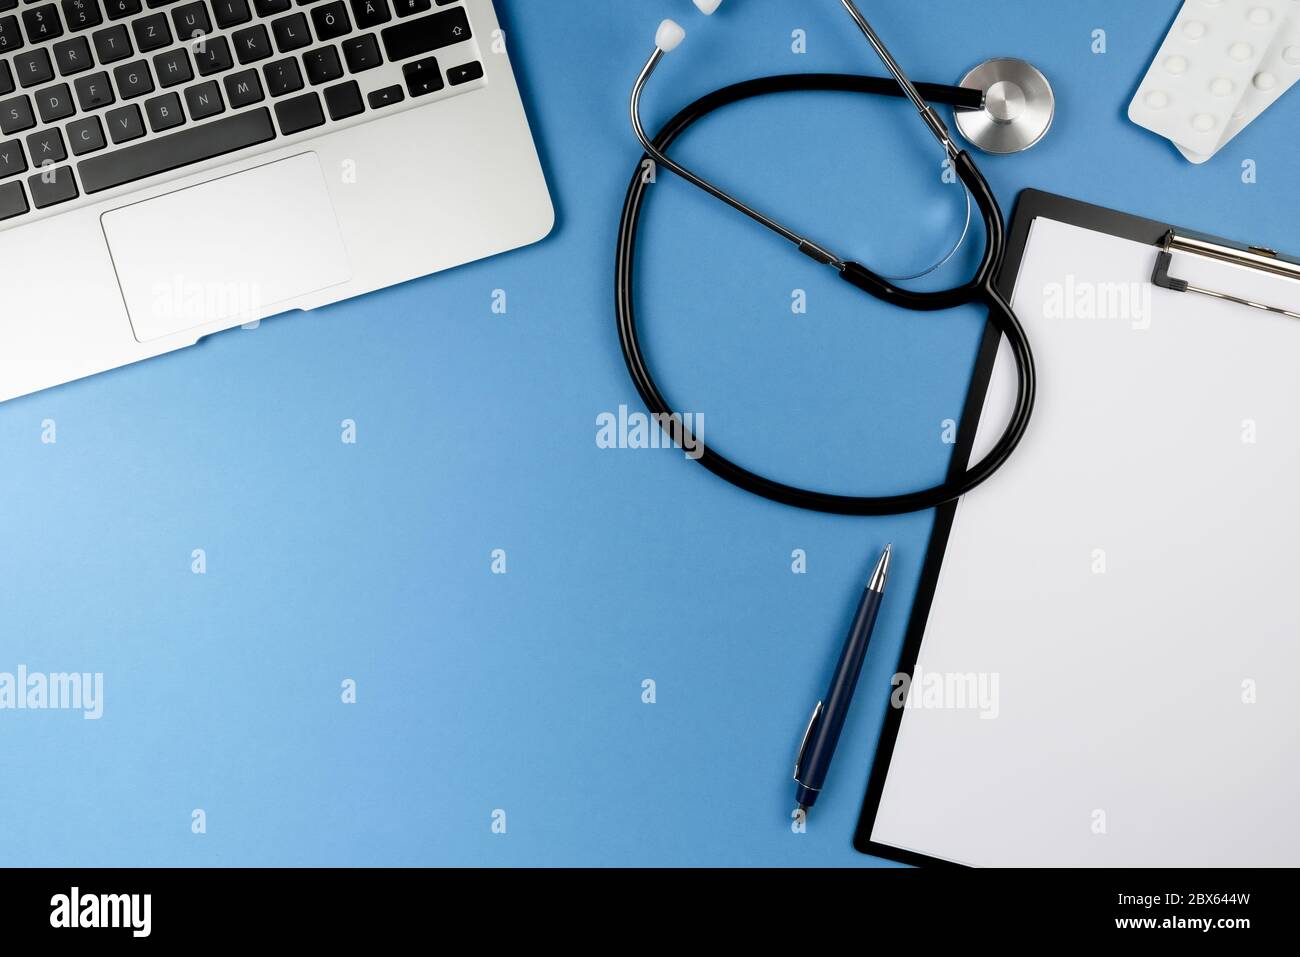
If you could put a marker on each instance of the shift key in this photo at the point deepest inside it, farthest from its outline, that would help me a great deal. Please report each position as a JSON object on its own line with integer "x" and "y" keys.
{"x": 414, "y": 37}
{"x": 166, "y": 153}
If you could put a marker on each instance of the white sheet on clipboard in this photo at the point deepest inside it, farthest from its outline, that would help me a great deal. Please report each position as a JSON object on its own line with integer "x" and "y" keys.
{"x": 1132, "y": 577}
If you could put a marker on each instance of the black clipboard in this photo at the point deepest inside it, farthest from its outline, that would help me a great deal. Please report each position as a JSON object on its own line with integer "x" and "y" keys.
{"x": 1032, "y": 204}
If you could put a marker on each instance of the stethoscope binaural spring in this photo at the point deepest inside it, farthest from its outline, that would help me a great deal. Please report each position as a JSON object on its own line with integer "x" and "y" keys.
{"x": 980, "y": 288}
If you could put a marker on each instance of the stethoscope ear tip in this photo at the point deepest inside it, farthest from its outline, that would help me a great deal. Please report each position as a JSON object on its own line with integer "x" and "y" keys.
{"x": 669, "y": 36}
{"x": 1019, "y": 106}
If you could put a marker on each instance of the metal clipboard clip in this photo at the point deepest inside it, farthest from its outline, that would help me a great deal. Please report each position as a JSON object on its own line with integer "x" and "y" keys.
{"x": 1251, "y": 257}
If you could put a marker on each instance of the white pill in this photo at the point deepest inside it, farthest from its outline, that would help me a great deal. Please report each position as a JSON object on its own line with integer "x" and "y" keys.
{"x": 1292, "y": 55}
{"x": 1203, "y": 122}
{"x": 1261, "y": 16}
{"x": 1241, "y": 51}
{"x": 1193, "y": 29}
{"x": 1157, "y": 99}
{"x": 1177, "y": 65}
{"x": 1222, "y": 86}
{"x": 1265, "y": 81}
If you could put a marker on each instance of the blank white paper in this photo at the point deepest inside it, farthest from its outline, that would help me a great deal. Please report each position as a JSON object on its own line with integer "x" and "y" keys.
{"x": 1131, "y": 577}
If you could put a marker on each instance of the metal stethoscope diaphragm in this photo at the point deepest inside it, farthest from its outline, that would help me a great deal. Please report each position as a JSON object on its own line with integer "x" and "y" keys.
{"x": 1018, "y": 106}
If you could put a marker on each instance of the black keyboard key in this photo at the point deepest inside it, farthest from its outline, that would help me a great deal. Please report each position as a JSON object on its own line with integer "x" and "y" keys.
{"x": 192, "y": 145}
{"x": 322, "y": 65}
{"x": 282, "y": 76}
{"x": 6, "y": 5}
{"x": 466, "y": 73}
{"x": 42, "y": 23}
{"x": 300, "y": 113}
{"x": 291, "y": 33}
{"x": 52, "y": 186}
{"x": 191, "y": 21}
{"x": 133, "y": 79}
{"x": 331, "y": 21}
{"x": 386, "y": 97}
{"x": 213, "y": 56}
{"x": 32, "y": 67}
{"x": 93, "y": 91}
{"x": 11, "y": 38}
{"x": 154, "y": 4}
{"x": 344, "y": 100}
{"x": 172, "y": 67}
{"x": 54, "y": 103}
{"x": 12, "y": 161}
{"x": 82, "y": 14}
{"x": 120, "y": 9}
{"x": 269, "y": 8}
{"x": 231, "y": 13}
{"x": 204, "y": 100}
{"x": 6, "y": 79}
{"x": 423, "y": 76}
{"x": 243, "y": 89}
{"x": 362, "y": 53}
{"x": 251, "y": 43}
{"x": 16, "y": 115}
{"x": 151, "y": 32}
{"x": 164, "y": 112}
{"x": 409, "y": 8}
{"x": 85, "y": 135}
{"x": 46, "y": 147}
{"x": 370, "y": 13}
{"x": 73, "y": 55}
{"x": 13, "y": 202}
{"x": 112, "y": 45}
{"x": 426, "y": 34}
{"x": 124, "y": 123}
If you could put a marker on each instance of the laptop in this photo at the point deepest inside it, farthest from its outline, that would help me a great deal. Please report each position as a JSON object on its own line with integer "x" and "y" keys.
{"x": 173, "y": 168}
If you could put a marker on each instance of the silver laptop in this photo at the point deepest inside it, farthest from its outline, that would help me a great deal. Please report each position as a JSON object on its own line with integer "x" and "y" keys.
{"x": 173, "y": 168}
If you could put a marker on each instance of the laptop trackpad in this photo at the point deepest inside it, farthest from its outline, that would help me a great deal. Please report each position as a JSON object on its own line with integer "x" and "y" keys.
{"x": 229, "y": 250}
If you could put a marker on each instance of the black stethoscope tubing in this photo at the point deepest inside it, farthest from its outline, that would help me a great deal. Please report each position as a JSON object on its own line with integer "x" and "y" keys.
{"x": 980, "y": 288}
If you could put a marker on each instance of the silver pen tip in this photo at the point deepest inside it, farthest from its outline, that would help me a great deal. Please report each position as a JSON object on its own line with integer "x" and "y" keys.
{"x": 878, "y": 577}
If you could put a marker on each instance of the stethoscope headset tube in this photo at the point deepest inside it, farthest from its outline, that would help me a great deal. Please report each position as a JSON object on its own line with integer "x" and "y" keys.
{"x": 980, "y": 288}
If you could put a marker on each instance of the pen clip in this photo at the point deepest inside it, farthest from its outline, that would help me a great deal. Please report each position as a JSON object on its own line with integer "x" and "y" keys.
{"x": 803, "y": 745}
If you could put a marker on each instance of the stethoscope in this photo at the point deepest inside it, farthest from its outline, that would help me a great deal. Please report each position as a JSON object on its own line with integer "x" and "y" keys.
{"x": 1002, "y": 106}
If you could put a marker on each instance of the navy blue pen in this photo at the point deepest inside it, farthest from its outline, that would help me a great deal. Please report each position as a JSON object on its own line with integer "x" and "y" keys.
{"x": 827, "y": 720}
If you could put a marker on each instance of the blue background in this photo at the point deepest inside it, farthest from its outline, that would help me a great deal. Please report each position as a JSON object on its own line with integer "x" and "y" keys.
{"x": 476, "y": 431}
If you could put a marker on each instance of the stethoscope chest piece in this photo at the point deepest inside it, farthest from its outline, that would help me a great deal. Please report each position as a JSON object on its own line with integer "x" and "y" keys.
{"x": 1018, "y": 106}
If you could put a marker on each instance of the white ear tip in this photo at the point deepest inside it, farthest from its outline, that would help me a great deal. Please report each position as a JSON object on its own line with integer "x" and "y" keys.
{"x": 670, "y": 36}
{"x": 707, "y": 7}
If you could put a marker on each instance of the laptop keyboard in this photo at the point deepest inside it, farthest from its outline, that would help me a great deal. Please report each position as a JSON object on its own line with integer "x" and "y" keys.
{"x": 97, "y": 94}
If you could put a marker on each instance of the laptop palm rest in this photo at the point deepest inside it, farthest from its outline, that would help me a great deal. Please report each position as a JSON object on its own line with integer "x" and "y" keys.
{"x": 189, "y": 259}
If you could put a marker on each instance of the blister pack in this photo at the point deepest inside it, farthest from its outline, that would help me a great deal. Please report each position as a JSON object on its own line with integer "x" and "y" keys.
{"x": 1222, "y": 64}
{"x": 1276, "y": 74}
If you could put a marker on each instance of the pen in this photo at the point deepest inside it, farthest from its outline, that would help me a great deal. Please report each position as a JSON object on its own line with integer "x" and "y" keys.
{"x": 827, "y": 720}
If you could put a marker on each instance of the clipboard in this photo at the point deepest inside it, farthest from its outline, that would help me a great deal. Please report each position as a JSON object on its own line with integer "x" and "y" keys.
{"x": 1053, "y": 783}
